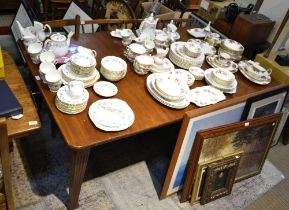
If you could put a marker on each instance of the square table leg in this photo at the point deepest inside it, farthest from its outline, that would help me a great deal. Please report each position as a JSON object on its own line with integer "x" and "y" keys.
{"x": 78, "y": 162}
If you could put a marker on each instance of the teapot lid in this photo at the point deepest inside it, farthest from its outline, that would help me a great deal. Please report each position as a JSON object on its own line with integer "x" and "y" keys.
{"x": 58, "y": 37}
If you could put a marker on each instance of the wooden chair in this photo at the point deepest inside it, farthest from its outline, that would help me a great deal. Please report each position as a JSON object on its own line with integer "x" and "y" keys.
{"x": 133, "y": 23}
{"x": 182, "y": 6}
{"x": 5, "y": 160}
{"x": 57, "y": 25}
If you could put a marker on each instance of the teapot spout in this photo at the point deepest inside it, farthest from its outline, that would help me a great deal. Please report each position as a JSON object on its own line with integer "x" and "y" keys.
{"x": 69, "y": 37}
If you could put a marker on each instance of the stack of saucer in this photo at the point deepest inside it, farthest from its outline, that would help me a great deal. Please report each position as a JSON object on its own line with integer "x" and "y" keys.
{"x": 255, "y": 73}
{"x": 68, "y": 104}
{"x": 233, "y": 48}
{"x": 69, "y": 75}
{"x": 221, "y": 79}
{"x": 217, "y": 61}
{"x": 168, "y": 89}
{"x": 186, "y": 54}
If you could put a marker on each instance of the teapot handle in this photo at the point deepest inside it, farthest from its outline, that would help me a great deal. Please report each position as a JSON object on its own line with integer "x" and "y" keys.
{"x": 49, "y": 29}
{"x": 269, "y": 71}
{"x": 94, "y": 53}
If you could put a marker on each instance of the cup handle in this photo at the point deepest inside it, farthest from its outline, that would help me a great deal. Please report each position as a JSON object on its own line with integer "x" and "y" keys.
{"x": 94, "y": 53}
{"x": 269, "y": 71}
{"x": 47, "y": 41}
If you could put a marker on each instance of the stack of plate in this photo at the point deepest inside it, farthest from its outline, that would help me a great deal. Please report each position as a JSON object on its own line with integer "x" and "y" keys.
{"x": 178, "y": 55}
{"x": 233, "y": 48}
{"x": 261, "y": 80}
{"x": 69, "y": 75}
{"x": 217, "y": 62}
{"x": 111, "y": 114}
{"x": 69, "y": 105}
{"x": 168, "y": 89}
{"x": 221, "y": 79}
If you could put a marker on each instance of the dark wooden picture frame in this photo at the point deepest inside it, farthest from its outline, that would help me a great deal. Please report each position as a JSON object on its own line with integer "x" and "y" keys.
{"x": 220, "y": 141}
{"x": 265, "y": 104}
{"x": 220, "y": 177}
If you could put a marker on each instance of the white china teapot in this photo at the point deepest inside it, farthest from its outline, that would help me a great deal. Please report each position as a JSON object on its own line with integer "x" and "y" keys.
{"x": 58, "y": 43}
{"x": 26, "y": 33}
{"x": 40, "y": 30}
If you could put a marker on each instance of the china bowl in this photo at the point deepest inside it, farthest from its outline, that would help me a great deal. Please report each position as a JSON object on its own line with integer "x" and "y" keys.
{"x": 113, "y": 68}
{"x": 82, "y": 63}
{"x": 197, "y": 72}
{"x": 232, "y": 46}
{"x": 223, "y": 76}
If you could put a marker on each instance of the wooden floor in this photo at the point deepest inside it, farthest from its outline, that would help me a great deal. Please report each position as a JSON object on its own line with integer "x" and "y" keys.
{"x": 278, "y": 197}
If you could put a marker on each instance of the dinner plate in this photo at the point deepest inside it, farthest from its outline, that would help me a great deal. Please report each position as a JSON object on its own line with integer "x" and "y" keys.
{"x": 231, "y": 89}
{"x": 105, "y": 89}
{"x": 242, "y": 68}
{"x": 68, "y": 73}
{"x": 197, "y": 32}
{"x": 165, "y": 67}
{"x": 150, "y": 84}
{"x": 188, "y": 76}
{"x": 111, "y": 114}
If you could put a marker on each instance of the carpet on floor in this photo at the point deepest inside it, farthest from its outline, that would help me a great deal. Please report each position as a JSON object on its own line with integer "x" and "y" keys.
{"x": 40, "y": 181}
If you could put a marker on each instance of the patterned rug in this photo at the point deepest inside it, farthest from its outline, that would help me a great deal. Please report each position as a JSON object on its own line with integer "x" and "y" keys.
{"x": 40, "y": 180}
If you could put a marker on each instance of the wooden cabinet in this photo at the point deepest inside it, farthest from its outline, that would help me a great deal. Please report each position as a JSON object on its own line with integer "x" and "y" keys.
{"x": 252, "y": 31}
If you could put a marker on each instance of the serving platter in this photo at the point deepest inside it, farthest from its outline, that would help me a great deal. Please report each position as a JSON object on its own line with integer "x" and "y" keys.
{"x": 105, "y": 89}
{"x": 150, "y": 84}
{"x": 111, "y": 114}
{"x": 206, "y": 95}
{"x": 197, "y": 32}
{"x": 226, "y": 89}
{"x": 242, "y": 68}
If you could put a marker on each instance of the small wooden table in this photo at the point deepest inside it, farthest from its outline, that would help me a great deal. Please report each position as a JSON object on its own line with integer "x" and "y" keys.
{"x": 30, "y": 122}
{"x": 81, "y": 135}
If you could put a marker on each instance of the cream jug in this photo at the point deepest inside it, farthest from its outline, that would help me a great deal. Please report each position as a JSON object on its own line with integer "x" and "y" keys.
{"x": 58, "y": 43}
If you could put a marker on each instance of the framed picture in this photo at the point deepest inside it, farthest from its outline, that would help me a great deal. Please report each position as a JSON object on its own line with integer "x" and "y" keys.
{"x": 252, "y": 136}
{"x": 201, "y": 172}
{"x": 265, "y": 104}
{"x": 192, "y": 123}
{"x": 220, "y": 177}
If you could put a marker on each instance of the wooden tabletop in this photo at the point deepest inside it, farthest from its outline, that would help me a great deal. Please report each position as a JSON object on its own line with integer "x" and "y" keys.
{"x": 78, "y": 130}
{"x": 30, "y": 122}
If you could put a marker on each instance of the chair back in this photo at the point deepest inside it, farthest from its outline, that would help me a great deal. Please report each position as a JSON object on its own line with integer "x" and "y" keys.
{"x": 57, "y": 25}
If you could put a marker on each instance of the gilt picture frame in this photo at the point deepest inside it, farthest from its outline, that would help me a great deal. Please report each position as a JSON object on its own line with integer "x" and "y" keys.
{"x": 201, "y": 172}
{"x": 220, "y": 177}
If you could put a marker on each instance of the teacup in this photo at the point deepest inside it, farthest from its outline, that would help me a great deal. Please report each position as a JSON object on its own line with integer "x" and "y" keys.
{"x": 126, "y": 36}
{"x": 44, "y": 68}
{"x": 85, "y": 50}
{"x": 53, "y": 79}
{"x": 213, "y": 39}
{"x": 161, "y": 40}
{"x": 149, "y": 45}
{"x": 47, "y": 56}
{"x": 75, "y": 89}
{"x": 143, "y": 64}
{"x": 134, "y": 50}
{"x": 34, "y": 51}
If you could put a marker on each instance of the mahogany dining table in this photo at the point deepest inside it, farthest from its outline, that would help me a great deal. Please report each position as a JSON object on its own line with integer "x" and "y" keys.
{"x": 81, "y": 135}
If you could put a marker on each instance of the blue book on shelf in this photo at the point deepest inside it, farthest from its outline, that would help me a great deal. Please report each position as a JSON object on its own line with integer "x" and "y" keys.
{"x": 9, "y": 105}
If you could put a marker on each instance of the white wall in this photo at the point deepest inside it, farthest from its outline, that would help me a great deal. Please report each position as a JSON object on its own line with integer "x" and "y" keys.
{"x": 276, "y": 10}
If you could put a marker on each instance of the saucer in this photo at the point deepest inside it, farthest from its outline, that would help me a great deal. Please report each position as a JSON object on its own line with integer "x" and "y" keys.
{"x": 63, "y": 96}
{"x": 165, "y": 67}
{"x": 105, "y": 89}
